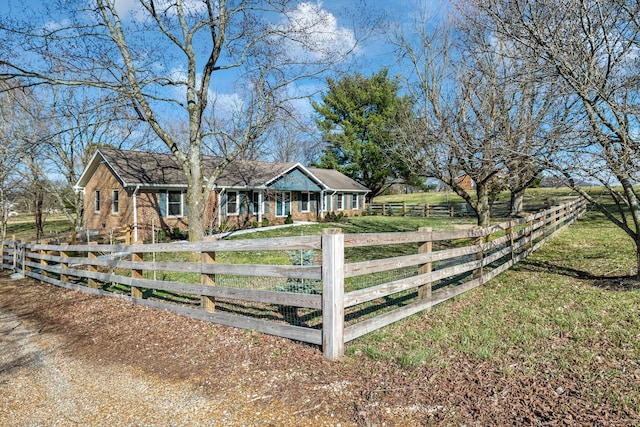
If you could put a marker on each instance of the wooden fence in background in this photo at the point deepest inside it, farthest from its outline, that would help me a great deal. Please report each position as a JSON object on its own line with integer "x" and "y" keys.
{"x": 349, "y": 299}
{"x": 499, "y": 209}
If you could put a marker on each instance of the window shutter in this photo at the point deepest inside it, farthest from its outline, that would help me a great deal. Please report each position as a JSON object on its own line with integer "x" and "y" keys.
{"x": 266, "y": 204}
{"x": 251, "y": 197}
{"x": 223, "y": 203}
{"x": 163, "y": 203}
{"x": 184, "y": 204}
{"x": 299, "y": 194}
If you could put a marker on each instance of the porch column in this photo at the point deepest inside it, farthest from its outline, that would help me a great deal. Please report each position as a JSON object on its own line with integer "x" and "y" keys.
{"x": 135, "y": 214}
{"x": 219, "y": 207}
{"x": 260, "y": 207}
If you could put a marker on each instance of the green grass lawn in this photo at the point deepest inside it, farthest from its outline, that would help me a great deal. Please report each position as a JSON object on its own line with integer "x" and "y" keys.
{"x": 23, "y": 226}
{"x": 571, "y": 309}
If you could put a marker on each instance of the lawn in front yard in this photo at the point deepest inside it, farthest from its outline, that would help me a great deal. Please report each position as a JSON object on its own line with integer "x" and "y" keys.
{"x": 569, "y": 315}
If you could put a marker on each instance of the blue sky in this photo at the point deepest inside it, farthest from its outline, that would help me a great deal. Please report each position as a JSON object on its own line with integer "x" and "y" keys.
{"x": 373, "y": 54}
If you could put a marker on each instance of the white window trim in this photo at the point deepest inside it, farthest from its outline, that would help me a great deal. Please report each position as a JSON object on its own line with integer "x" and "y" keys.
{"x": 355, "y": 197}
{"x": 96, "y": 201}
{"x": 181, "y": 214}
{"x": 236, "y": 201}
{"x": 115, "y": 195}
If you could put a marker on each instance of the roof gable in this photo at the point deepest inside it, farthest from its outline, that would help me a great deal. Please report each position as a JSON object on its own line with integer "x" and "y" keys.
{"x": 294, "y": 180}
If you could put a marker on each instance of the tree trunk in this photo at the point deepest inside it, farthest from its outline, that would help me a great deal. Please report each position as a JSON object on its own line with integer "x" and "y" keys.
{"x": 483, "y": 209}
{"x": 39, "y": 202}
{"x": 638, "y": 260}
{"x": 517, "y": 202}
{"x": 196, "y": 201}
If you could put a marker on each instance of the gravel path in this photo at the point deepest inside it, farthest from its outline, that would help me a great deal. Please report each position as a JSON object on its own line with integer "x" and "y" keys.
{"x": 72, "y": 359}
{"x": 64, "y": 361}
{"x": 40, "y": 385}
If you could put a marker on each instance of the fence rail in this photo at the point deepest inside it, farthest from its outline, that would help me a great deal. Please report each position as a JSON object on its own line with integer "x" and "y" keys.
{"x": 341, "y": 296}
{"x": 499, "y": 209}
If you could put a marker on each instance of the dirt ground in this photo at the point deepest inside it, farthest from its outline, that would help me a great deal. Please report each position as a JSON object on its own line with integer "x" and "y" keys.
{"x": 67, "y": 358}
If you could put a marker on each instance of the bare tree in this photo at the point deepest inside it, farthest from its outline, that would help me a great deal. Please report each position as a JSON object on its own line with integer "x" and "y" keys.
{"x": 74, "y": 122}
{"x": 457, "y": 132}
{"x": 162, "y": 57}
{"x": 9, "y": 156}
{"x": 591, "y": 47}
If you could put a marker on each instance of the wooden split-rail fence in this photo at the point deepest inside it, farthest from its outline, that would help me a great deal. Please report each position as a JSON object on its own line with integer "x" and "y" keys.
{"x": 345, "y": 292}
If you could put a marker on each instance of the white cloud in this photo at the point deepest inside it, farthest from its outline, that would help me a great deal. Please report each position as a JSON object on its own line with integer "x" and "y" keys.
{"x": 311, "y": 30}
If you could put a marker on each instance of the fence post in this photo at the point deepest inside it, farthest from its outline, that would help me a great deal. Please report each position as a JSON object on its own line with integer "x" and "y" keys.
{"x": 425, "y": 247}
{"x": 2, "y": 255}
{"x": 136, "y": 292}
{"x": 208, "y": 303}
{"x": 404, "y": 208}
{"x": 26, "y": 258}
{"x": 333, "y": 293}
{"x": 92, "y": 268}
{"x": 545, "y": 224}
{"x": 477, "y": 273}
{"x": 452, "y": 210}
{"x": 23, "y": 258}
{"x": 43, "y": 262}
{"x": 529, "y": 233}
{"x": 127, "y": 236}
{"x": 509, "y": 232}
{"x": 384, "y": 209}
{"x": 64, "y": 263}
{"x": 15, "y": 252}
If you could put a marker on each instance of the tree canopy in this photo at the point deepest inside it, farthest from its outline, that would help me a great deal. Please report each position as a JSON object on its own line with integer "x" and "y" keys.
{"x": 358, "y": 118}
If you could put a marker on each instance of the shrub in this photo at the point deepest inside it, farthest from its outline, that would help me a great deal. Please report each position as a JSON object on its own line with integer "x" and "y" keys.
{"x": 300, "y": 286}
{"x": 289, "y": 220}
{"x": 265, "y": 222}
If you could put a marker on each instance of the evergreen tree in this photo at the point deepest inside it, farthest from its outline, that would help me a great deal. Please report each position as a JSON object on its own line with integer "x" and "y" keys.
{"x": 358, "y": 117}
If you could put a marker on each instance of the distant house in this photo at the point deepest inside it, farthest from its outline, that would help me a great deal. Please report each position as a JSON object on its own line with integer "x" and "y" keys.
{"x": 465, "y": 182}
{"x": 148, "y": 190}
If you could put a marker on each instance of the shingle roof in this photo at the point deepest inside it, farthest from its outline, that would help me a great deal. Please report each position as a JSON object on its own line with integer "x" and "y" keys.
{"x": 337, "y": 180}
{"x": 158, "y": 169}
{"x": 137, "y": 167}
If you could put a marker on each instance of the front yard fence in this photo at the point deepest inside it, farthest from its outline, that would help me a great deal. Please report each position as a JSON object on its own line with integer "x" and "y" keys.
{"x": 345, "y": 292}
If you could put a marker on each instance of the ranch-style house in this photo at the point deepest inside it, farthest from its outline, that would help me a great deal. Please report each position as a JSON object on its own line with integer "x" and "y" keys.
{"x": 147, "y": 191}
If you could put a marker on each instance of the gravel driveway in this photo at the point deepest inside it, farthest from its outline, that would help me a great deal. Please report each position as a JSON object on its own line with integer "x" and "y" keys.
{"x": 71, "y": 359}
{"x": 56, "y": 372}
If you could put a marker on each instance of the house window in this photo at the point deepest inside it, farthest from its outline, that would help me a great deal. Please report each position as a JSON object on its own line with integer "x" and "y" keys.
{"x": 232, "y": 203}
{"x": 96, "y": 201}
{"x": 355, "y": 202}
{"x": 115, "y": 201}
{"x": 340, "y": 201}
{"x": 304, "y": 201}
{"x": 174, "y": 203}
{"x": 255, "y": 201}
{"x": 283, "y": 203}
